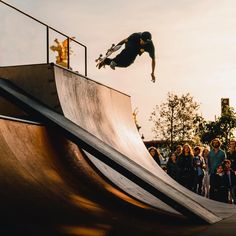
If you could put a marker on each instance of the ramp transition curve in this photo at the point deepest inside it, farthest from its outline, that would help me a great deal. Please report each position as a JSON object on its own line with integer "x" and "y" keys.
{"x": 115, "y": 142}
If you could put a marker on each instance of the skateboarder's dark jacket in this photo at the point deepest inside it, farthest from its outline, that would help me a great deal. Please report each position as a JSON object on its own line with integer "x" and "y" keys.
{"x": 134, "y": 47}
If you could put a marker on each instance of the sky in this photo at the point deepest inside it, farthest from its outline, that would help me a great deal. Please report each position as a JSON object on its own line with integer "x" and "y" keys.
{"x": 195, "y": 42}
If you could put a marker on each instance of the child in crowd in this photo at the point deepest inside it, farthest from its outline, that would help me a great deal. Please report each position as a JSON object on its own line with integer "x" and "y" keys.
{"x": 222, "y": 183}
{"x": 172, "y": 168}
{"x": 198, "y": 166}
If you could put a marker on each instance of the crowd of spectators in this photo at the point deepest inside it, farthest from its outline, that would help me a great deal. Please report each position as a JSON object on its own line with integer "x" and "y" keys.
{"x": 210, "y": 172}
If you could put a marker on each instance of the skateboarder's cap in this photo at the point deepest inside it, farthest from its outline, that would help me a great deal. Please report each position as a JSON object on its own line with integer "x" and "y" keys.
{"x": 146, "y": 36}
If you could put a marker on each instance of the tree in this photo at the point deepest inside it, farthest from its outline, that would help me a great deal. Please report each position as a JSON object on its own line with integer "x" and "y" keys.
{"x": 175, "y": 119}
{"x": 222, "y": 128}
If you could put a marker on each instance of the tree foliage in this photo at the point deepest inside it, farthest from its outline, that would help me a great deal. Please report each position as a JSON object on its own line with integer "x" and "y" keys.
{"x": 176, "y": 119}
{"x": 222, "y": 128}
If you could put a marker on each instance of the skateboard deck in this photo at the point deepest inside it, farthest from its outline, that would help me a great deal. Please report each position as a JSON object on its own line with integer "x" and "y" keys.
{"x": 101, "y": 58}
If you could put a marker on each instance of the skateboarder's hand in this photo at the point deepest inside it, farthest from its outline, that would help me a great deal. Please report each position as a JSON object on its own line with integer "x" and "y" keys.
{"x": 153, "y": 77}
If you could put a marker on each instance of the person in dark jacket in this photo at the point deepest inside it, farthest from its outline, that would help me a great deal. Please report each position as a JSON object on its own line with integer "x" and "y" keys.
{"x": 172, "y": 168}
{"x": 215, "y": 157}
{"x": 224, "y": 179}
{"x": 185, "y": 165}
{"x": 231, "y": 155}
{"x": 178, "y": 152}
{"x": 218, "y": 188}
{"x": 154, "y": 152}
{"x": 136, "y": 44}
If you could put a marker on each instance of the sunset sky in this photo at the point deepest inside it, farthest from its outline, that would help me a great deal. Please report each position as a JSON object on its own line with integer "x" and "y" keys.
{"x": 195, "y": 43}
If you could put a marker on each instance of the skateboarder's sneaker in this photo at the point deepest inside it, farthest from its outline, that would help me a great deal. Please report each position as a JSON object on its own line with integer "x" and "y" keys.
{"x": 113, "y": 65}
{"x": 102, "y": 63}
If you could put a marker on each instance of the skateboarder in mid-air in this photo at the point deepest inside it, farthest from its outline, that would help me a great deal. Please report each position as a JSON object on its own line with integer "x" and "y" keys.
{"x": 135, "y": 44}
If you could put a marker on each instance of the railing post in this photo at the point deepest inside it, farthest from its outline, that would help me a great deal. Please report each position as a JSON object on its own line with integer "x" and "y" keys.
{"x": 85, "y": 52}
{"x": 68, "y": 53}
{"x": 47, "y": 35}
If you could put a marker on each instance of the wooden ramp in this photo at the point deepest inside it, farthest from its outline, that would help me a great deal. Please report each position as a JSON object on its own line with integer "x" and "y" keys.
{"x": 99, "y": 120}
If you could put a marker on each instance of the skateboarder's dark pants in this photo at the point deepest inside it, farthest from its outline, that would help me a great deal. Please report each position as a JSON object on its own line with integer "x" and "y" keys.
{"x": 124, "y": 59}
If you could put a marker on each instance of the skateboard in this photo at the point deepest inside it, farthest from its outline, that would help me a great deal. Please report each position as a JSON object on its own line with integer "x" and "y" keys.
{"x": 101, "y": 58}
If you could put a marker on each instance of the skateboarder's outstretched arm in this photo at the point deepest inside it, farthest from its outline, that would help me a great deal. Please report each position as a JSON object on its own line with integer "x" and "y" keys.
{"x": 153, "y": 69}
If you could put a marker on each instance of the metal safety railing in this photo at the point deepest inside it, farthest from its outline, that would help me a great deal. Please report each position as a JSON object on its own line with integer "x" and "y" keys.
{"x": 47, "y": 29}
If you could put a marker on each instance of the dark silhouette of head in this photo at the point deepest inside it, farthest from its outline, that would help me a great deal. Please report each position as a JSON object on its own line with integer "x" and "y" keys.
{"x": 146, "y": 36}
